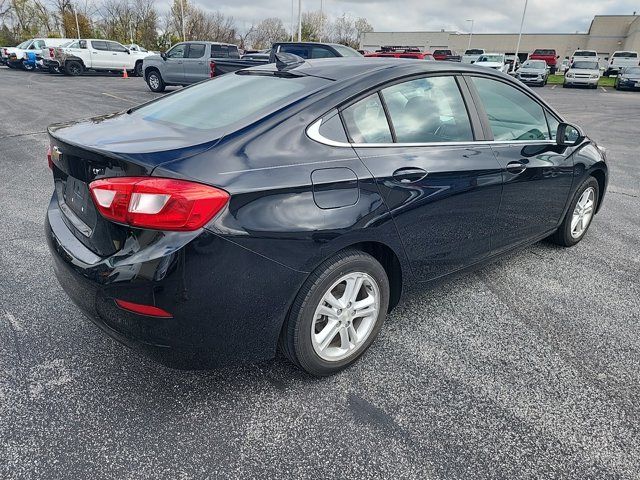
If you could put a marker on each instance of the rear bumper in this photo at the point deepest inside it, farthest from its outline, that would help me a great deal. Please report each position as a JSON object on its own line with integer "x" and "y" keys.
{"x": 228, "y": 303}
{"x": 48, "y": 63}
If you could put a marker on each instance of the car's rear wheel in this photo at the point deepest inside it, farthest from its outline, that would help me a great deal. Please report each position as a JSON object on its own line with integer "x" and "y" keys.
{"x": 28, "y": 66}
{"x": 337, "y": 314}
{"x": 155, "y": 82}
{"x": 73, "y": 68}
{"x": 579, "y": 215}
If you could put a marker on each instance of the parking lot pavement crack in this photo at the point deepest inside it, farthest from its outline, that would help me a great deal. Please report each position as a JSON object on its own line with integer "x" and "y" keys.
{"x": 15, "y": 326}
{"x": 22, "y": 134}
{"x": 623, "y": 193}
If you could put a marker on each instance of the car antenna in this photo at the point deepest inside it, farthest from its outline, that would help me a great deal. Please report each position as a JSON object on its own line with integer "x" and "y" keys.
{"x": 287, "y": 61}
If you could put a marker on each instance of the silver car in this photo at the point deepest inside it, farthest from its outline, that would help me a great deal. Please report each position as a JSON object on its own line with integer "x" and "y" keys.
{"x": 533, "y": 72}
{"x": 585, "y": 73}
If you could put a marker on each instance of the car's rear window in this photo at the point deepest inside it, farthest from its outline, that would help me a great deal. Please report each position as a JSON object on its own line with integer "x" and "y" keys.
{"x": 474, "y": 52}
{"x": 346, "y": 51}
{"x": 625, "y": 55}
{"x": 584, "y": 53}
{"x": 229, "y": 100}
{"x": 543, "y": 51}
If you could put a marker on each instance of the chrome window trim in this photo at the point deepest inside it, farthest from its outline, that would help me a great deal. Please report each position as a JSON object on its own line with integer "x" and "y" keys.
{"x": 313, "y": 132}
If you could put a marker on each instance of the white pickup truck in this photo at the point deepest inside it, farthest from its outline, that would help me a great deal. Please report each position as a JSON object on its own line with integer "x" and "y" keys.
{"x": 27, "y": 55}
{"x": 621, "y": 60}
{"x": 472, "y": 55}
{"x": 95, "y": 54}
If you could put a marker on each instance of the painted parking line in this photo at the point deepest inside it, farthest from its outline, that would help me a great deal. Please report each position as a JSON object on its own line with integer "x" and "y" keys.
{"x": 603, "y": 89}
{"x": 117, "y": 97}
{"x": 554, "y": 87}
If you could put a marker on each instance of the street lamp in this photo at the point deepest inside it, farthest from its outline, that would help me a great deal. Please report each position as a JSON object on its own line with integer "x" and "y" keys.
{"x": 299, "y": 20}
{"x": 470, "y": 33}
{"x": 524, "y": 12}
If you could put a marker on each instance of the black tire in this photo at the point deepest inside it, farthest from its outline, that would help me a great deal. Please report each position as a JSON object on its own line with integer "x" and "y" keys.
{"x": 54, "y": 70}
{"x": 137, "y": 71}
{"x": 73, "y": 68}
{"x": 295, "y": 339}
{"x": 553, "y": 70}
{"x": 563, "y": 235}
{"x": 28, "y": 67}
{"x": 564, "y": 85}
{"x": 155, "y": 81}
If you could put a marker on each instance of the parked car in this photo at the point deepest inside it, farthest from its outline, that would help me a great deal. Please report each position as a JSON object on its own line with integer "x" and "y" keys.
{"x": 584, "y": 73}
{"x": 586, "y": 55}
{"x": 533, "y": 72}
{"x": 28, "y": 54}
{"x": 564, "y": 66}
{"x": 94, "y": 54}
{"x": 472, "y": 55}
{"x": 214, "y": 224}
{"x": 210, "y": 59}
{"x": 495, "y": 61}
{"x": 548, "y": 55}
{"x": 512, "y": 62}
{"x": 620, "y": 60}
{"x": 401, "y": 52}
{"x": 445, "y": 54}
{"x": 628, "y": 79}
{"x": 259, "y": 55}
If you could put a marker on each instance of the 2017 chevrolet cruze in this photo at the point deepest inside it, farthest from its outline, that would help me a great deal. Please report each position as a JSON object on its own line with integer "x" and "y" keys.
{"x": 292, "y": 204}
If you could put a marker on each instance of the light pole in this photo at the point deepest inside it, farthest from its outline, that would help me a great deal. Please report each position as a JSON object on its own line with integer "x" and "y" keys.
{"x": 524, "y": 12}
{"x": 292, "y": 18}
{"x": 321, "y": 20}
{"x": 184, "y": 35}
{"x": 75, "y": 11}
{"x": 470, "y": 33}
{"x": 299, "y": 20}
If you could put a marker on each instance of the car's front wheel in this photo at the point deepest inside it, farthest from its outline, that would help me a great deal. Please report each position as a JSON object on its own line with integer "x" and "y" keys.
{"x": 73, "y": 68}
{"x": 579, "y": 215}
{"x": 337, "y": 314}
{"x": 155, "y": 82}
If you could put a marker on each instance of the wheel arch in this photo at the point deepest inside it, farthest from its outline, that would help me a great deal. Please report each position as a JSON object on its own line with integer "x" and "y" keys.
{"x": 601, "y": 177}
{"x": 150, "y": 69}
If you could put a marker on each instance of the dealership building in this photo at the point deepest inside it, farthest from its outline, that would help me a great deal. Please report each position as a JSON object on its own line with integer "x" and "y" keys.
{"x": 606, "y": 34}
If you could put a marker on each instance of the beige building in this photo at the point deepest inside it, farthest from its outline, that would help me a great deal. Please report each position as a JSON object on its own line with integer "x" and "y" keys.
{"x": 606, "y": 34}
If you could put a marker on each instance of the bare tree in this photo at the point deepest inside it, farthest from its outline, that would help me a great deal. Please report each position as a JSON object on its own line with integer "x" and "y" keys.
{"x": 268, "y": 31}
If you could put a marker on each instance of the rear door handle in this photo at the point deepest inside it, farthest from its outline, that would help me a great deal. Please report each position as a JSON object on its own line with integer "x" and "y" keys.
{"x": 516, "y": 167}
{"x": 409, "y": 174}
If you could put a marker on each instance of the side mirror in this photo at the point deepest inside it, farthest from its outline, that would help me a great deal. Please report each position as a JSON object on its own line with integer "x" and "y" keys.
{"x": 557, "y": 56}
{"x": 164, "y": 55}
{"x": 606, "y": 58}
{"x": 128, "y": 51}
{"x": 569, "y": 135}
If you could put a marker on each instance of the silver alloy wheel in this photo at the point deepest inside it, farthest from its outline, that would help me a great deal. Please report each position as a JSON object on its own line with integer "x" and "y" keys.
{"x": 583, "y": 212}
{"x": 345, "y": 316}
{"x": 154, "y": 81}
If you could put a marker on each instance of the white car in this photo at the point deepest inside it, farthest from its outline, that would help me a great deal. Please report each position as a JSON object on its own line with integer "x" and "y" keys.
{"x": 472, "y": 55}
{"x": 583, "y": 72}
{"x": 28, "y": 54}
{"x": 96, "y": 54}
{"x": 620, "y": 60}
{"x": 493, "y": 60}
{"x": 587, "y": 55}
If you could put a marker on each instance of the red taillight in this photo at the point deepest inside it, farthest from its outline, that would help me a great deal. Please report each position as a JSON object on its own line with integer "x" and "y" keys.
{"x": 141, "y": 309}
{"x": 212, "y": 69}
{"x": 49, "y": 159}
{"x": 157, "y": 203}
{"x": 51, "y": 50}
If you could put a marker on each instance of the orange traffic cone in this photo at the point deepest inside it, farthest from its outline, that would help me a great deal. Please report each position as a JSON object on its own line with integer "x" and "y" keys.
{"x": 124, "y": 72}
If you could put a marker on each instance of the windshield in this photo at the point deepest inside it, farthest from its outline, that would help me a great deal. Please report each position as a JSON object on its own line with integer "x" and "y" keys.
{"x": 346, "y": 51}
{"x": 631, "y": 71}
{"x": 24, "y": 44}
{"x": 474, "y": 51}
{"x": 585, "y": 65}
{"x": 66, "y": 44}
{"x": 538, "y": 64}
{"x": 491, "y": 58}
{"x": 584, "y": 53}
{"x": 228, "y": 100}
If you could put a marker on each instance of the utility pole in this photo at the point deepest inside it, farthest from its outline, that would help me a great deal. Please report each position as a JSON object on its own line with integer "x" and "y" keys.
{"x": 470, "y": 34}
{"x": 292, "y": 19}
{"x": 75, "y": 10}
{"x": 299, "y": 20}
{"x": 321, "y": 20}
{"x": 524, "y": 12}
{"x": 184, "y": 35}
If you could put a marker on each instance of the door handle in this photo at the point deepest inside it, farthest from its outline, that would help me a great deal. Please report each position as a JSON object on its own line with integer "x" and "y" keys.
{"x": 516, "y": 167}
{"x": 409, "y": 174}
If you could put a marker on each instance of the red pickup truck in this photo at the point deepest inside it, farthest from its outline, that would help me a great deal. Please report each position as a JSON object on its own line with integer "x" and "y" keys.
{"x": 401, "y": 52}
{"x": 548, "y": 55}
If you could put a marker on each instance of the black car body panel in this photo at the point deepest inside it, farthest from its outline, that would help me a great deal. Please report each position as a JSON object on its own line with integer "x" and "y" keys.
{"x": 295, "y": 200}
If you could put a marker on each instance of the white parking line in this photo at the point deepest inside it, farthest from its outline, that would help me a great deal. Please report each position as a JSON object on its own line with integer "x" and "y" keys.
{"x": 554, "y": 87}
{"x": 117, "y": 97}
{"x": 603, "y": 89}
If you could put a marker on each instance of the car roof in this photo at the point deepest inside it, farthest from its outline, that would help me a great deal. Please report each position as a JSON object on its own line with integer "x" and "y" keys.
{"x": 342, "y": 68}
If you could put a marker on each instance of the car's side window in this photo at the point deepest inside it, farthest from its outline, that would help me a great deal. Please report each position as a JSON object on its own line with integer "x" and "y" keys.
{"x": 196, "y": 50}
{"x": 553, "y": 125}
{"x": 99, "y": 45}
{"x": 321, "y": 52}
{"x": 426, "y": 110}
{"x": 513, "y": 115}
{"x": 366, "y": 121}
{"x": 300, "y": 51}
{"x": 177, "y": 51}
{"x": 331, "y": 128}
{"x": 116, "y": 47}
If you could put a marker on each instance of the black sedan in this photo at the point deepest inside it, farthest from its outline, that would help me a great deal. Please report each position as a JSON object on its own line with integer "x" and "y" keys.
{"x": 291, "y": 205}
{"x": 628, "y": 79}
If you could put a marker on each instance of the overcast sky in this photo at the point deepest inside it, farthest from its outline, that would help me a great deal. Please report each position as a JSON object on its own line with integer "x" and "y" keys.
{"x": 411, "y": 15}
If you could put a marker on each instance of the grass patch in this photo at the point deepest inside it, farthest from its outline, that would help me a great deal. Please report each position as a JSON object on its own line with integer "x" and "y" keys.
{"x": 604, "y": 81}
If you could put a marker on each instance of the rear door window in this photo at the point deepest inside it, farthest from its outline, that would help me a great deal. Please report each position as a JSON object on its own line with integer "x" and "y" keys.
{"x": 320, "y": 52}
{"x": 366, "y": 121}
{"x": 99, "y": 45}
{"x": 298, "y": 50}
{"x": 196, "y": 50}
{"x": 428, "y": 110}
{"x": 116, "y": 47}
{"x": 512, "y": 114}
{"x": 219, "y": 51}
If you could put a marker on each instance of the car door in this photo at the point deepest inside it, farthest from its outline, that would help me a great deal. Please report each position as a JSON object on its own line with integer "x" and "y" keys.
{"x": 120, "y": 57}
{"x": 173, "y": 71}
{"x": 537, "y": 172}
{"x": 196, "y": 65}
{"x": 442, "y": 187}
{"x": 100, "y": 55}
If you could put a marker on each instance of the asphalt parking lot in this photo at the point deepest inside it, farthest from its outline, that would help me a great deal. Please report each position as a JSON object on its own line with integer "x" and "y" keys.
{"x": 528, "y": 368}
